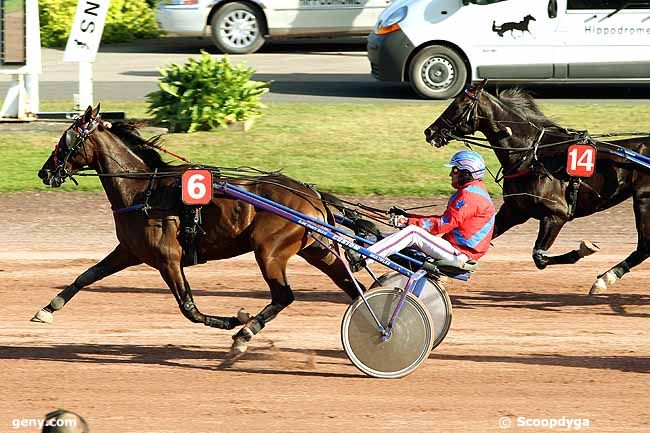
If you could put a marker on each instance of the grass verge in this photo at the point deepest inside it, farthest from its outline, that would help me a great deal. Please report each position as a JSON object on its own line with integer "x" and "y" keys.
{"x": 359, "y": 149}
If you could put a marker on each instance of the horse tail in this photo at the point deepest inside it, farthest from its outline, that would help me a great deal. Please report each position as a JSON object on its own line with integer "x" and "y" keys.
{"x": 333, "y": 201}
{"x": 328, "y": 199}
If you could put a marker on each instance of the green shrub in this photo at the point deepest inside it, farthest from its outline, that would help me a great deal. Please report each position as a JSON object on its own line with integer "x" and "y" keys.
{"x": 204, "y": 94}
{"x": 125, "y": 21}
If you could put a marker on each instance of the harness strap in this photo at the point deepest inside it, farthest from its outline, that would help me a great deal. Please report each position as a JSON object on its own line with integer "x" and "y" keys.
{"x": 135, "y": 207}
{"x": 574, "y": 188}
{"x": 145, "y": 207}
{"x": 517, "y": 174}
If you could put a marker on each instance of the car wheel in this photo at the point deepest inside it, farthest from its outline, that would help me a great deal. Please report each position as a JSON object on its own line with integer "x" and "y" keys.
{"x": 237, "y": 29}
{"x": 437, "y": 72}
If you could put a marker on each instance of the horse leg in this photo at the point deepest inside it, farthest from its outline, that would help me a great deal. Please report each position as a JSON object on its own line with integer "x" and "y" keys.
{"x": 273, "y": 264}
{"x": 549, "y": 228}
{"x": 173, "y": 274}
{"x": 116, "y": 261}
{"x": 324, "y": 260}
{"x": 642, "y": 252}
{"x": 506, "y": 218}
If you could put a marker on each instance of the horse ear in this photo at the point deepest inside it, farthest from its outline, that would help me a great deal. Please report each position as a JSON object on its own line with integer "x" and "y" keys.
{"x": 87, "y": 116}
{"x": 482, "y": 84}
{"x": 96, "y": 110}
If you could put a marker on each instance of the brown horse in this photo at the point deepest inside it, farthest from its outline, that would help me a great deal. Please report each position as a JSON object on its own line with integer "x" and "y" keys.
{"x": 532, "y": 151}
{"x": 125, "y": 163}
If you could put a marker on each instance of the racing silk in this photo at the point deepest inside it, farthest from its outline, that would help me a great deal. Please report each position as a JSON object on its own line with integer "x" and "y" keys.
{"x": 468, "y": 221}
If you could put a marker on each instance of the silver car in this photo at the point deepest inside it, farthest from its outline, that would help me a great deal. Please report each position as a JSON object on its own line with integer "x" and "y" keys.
{"x": 241, "y": 27}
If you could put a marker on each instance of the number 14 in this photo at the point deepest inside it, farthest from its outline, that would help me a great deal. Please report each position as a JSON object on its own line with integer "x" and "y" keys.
{"x": 581, "y": 160}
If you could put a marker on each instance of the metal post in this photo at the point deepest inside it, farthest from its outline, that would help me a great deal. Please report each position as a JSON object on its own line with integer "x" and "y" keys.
{"x": 85, "y": 85}
{"x": 33, "y": 45}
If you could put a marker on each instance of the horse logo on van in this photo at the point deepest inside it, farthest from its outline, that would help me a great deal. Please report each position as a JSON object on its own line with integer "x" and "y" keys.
{"x": 522, "y": 26}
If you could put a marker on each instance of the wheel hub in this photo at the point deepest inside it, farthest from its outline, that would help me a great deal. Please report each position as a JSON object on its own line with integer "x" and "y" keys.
{"x": 438, "y": 73}
{"x": 239, "y": 28}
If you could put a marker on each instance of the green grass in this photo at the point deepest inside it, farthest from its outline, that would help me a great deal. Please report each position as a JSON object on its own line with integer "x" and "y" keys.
{"x": 357, "y": 149}
{"x": 12, "y": 5}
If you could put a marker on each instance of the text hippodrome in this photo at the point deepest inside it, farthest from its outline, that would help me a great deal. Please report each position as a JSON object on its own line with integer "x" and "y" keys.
{"x": 615, "y": 31}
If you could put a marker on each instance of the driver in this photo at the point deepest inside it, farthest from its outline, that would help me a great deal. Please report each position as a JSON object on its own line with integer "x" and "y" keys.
{"x": 463, "y": 232}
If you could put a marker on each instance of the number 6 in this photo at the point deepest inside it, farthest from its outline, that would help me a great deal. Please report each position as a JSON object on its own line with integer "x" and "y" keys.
{"x": 197, "y": 187}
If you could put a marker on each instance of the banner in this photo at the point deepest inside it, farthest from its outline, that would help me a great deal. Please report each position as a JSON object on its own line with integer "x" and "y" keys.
{"x": 86, "y": 32}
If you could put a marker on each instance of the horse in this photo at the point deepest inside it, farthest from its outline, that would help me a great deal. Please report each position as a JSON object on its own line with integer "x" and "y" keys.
{"x": 144, "y": 193}
{"x": 531, "y": 149}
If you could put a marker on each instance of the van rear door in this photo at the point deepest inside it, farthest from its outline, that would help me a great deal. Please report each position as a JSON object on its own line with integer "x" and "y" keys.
{"x": 327, "y": 17}
{"x": 606, "y": 39}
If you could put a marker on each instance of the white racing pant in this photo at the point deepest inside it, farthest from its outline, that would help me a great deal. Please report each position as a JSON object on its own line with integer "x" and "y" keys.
{"x": 414, "y": 236}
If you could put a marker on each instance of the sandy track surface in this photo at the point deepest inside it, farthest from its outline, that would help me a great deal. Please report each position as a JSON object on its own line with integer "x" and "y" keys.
{"x": 523, "y": 343}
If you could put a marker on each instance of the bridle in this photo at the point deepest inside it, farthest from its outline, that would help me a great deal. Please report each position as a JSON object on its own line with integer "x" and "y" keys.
{"x": 76, "y": 137}
{"x": 466, "y": 119}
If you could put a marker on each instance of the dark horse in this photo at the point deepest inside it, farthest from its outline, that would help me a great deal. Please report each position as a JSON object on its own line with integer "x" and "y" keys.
{"x": 532, "y": 152}
{"x": 120, "y": 156}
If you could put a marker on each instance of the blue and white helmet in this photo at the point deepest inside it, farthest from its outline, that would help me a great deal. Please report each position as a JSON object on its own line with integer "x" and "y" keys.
{"x": 470, "y": 161}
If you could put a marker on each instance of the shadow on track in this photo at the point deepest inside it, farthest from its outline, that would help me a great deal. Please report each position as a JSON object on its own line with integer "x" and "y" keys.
{"x": 634, "y": 364}
{"x": 180, "y": 357}
{"x": 617, "y": 303}
{"x": 228, "y": 292}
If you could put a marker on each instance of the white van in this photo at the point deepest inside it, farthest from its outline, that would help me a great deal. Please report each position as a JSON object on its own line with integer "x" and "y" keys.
{"x": 240, "y": 27}
{"x": 441, "y": 45}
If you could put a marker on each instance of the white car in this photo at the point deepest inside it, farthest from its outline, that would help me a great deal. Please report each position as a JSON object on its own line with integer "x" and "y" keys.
{"x": 441, "y": 45}
{"x": 240, "y": 27}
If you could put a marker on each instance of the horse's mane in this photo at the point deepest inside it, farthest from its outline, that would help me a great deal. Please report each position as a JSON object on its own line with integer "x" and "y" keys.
{"x": 145, "y": 149}
{"x": 522, "y": 103}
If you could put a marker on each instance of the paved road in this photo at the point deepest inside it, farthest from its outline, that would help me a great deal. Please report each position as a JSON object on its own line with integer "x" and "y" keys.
{"x": 334, "y": 70}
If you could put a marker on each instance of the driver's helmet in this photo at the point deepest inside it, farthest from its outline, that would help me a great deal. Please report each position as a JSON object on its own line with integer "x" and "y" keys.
{"x": 63, "y": 421}
{"x": 470, "y": 161}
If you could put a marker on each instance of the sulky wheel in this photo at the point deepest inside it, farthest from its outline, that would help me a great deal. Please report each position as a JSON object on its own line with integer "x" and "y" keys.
{"x": 408, "y": 345}
{"x": 433, "y": 295}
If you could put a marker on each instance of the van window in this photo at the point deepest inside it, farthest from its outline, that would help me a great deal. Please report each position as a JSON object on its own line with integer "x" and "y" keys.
{"x": 606, "y": 4}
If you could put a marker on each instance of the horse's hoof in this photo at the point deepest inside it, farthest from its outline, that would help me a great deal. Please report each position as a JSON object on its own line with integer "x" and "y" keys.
{"x": 243, "y": 316}
{"x": 43, "y": 316}
{"x": 603, "y": 282}
{"x": 237, "y": 350}
{"x": 598, "y": 287}
{"x": 587, "y": 248}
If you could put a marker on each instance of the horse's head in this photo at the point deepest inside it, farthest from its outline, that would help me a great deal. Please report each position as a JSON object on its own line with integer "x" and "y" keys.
{"x": 460, "y": 117}
{"x": 74, "y": 150}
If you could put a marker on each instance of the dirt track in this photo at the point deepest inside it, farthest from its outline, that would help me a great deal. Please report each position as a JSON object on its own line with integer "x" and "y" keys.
{"x": 524, "y": 343}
